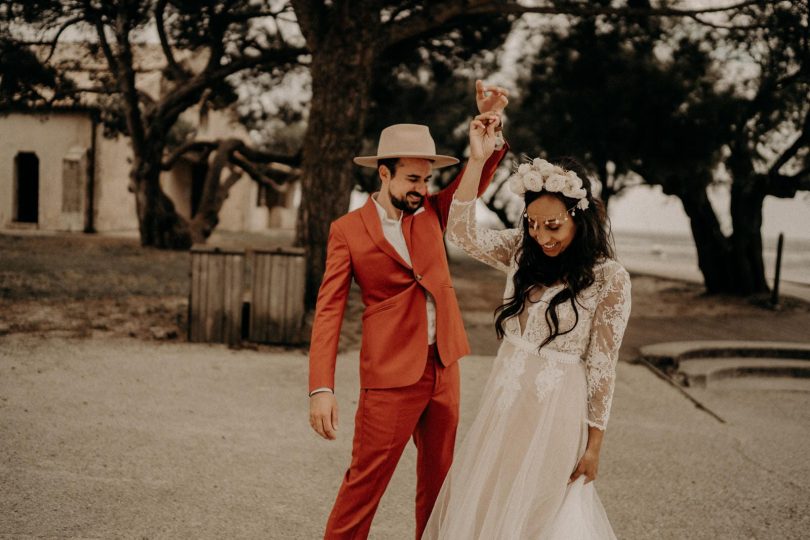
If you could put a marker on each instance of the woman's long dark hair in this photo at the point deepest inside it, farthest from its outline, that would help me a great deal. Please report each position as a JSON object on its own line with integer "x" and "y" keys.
{"x": 574, "y": 267}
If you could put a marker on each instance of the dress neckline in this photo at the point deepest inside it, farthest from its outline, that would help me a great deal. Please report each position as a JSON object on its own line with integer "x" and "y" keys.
{"x": 532, "y": 306}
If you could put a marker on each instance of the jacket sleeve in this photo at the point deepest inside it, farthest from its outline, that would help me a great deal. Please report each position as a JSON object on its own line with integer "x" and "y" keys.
{"x": 441, "y": 201}
{"x": 329, "y": 310}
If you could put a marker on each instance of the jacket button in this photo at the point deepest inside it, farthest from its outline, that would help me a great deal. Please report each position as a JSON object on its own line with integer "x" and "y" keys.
{"x": 418, "y": 277}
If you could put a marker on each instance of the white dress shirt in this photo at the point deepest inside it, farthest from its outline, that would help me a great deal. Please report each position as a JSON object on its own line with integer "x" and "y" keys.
{"x": 392, "y": 229}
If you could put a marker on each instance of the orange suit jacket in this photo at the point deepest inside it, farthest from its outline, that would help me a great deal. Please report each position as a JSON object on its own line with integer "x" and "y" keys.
{"x": 394, "y": 342}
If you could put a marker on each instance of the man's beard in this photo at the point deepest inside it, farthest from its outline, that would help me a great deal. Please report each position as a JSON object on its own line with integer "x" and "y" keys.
{"x": 406, "y": 206}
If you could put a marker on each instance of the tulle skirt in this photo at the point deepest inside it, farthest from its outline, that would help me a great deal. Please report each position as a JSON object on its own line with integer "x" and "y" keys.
{"x": 509, "y": 479}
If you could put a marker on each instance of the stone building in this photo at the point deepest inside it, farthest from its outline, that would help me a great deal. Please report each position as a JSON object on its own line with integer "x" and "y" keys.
{"x": 59, "y": 172}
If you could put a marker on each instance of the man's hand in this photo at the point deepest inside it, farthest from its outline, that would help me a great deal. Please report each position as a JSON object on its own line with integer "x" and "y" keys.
{"x": 323, "y": 414}
{"x": 482, "y": 135}
{"x": 492, "y": 99}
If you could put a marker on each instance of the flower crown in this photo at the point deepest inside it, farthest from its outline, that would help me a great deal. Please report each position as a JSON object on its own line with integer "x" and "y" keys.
{"x": 539, "y": 175}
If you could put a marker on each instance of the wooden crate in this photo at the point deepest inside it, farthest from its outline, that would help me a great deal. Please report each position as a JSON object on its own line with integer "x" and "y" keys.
{"x": 215, "y": 303}
{"x": 278, "y": 278}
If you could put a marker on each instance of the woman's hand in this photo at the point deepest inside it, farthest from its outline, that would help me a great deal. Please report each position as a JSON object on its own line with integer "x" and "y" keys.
{"x": 482, "y": 136}
{"x": 490, "y": 98}
{"x": 588, "y": 465}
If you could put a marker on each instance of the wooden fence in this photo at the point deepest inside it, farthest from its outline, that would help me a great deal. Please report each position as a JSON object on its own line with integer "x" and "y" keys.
{"x": 273, "y": 305}
{"x": 277, "y": 295}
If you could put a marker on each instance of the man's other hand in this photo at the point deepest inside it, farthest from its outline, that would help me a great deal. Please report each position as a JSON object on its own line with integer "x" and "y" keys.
{"x": 323, "y": 414}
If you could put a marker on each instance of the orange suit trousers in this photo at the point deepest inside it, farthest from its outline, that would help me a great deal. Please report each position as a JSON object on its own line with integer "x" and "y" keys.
{"x": 386, "y": 419}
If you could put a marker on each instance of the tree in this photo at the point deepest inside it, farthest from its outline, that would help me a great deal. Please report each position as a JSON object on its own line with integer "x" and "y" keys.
{"x": 769, "y": 146}
{"x": 346, "y": 40}
{"x": 227, "y": 37}
{"x": 602, "y": 94}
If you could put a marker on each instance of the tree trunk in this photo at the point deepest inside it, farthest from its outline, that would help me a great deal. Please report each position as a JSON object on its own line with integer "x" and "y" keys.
{"x": 341, "y": 71}
{"x": 159, "y": 223}
{"x": 713, "y": 248}
{"x": 214, "y": 192}
{"x": 747, "y": 198}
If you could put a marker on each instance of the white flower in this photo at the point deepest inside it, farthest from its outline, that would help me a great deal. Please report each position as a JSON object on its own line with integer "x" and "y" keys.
{"x": 573, "y": 180}
{"x": 533, "y": 181}
{"x": 516, "y": 184}
{"x": 524, "y": 168}
{"x": 544, "y": 167}
{"x": 556, "y": 183}
{"x": 583, "y": 203}
{"x": 573, "y": 191}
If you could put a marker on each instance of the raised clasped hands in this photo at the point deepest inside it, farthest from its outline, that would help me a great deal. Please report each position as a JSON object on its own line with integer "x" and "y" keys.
{"x": 483, "y": 137}
{"x": 490, "y": 98}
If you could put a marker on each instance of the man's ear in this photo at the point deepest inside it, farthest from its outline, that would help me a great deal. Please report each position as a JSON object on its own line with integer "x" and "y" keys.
{"x": 384, "y": 172}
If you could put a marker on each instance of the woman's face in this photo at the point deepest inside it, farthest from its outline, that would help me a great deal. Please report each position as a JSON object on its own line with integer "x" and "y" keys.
{"x": 550, "y": 225}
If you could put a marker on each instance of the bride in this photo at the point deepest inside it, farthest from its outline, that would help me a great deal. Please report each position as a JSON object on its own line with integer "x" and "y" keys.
{"x": 526, "y": 467}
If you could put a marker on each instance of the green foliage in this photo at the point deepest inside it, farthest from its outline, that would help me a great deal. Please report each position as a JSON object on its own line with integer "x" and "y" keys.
{"x": 612, "y": 91}
{"x": 25, "y": 82}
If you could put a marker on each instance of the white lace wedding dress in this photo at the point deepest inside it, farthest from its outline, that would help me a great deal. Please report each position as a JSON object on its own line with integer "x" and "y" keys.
{"x": 509, "y": 479}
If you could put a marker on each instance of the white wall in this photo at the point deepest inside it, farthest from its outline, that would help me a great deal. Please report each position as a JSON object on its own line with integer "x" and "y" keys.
{"x": 115, "y": 204}
{"x": 50, "y": 137}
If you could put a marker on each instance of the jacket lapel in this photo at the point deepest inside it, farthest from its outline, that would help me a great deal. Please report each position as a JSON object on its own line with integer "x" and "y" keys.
{"x": 407, "y": 231}
{"x": 371, "y": 220}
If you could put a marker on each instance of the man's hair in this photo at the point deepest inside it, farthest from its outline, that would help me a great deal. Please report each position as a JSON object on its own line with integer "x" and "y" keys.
{"x": 390, "y": 164}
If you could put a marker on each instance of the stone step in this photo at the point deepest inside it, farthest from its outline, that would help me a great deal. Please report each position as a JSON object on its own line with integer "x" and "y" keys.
{"x": 701, "y": 372}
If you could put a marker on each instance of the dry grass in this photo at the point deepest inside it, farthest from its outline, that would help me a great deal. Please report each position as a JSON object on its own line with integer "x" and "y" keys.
{"x": 84, "y": 286}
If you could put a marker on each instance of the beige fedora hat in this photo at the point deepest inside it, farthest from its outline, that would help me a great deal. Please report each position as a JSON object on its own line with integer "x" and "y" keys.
{"x": 406, "y": 140}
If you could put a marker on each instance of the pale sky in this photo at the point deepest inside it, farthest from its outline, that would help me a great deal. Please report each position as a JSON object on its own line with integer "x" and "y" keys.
{"x": 647, "y": 209}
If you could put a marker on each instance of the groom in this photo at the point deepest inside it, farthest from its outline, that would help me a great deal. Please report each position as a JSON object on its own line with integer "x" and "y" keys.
{"x": 412, "y": 329}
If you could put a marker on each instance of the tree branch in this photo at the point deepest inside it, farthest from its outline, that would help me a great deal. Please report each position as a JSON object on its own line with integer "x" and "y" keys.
{"x": 192, "y": 146}
{"x": 786, "y": 187}
{"x": 188, "y": 93}
{"x": 441, "y": 13}
{"x": 257, "y": 156}
{"x": 233, "y": 177}
{"x": 67, "y": 24}
{"x": 260, "y": 176}
{"x": 242, "y": 16}
{"x": 105, "y": 45}
{"x": 126, "y": 79}
{"x": 177, "y": 72}
{"x": 801, "y": 141}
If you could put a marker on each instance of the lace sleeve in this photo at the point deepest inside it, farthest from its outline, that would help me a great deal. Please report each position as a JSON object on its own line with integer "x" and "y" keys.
{"x": 607, "y": 331}
{"x": 489, "y": 246}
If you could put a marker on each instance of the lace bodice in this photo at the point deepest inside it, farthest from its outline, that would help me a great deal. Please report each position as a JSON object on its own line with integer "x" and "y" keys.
{"x": 603, "y": 308}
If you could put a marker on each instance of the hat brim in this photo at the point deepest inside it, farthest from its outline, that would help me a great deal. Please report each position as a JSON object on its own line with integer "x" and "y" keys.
{"x": 439, "y": 161}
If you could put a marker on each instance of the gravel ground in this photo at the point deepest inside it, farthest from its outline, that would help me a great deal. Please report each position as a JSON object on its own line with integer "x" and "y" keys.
{"x": 119, "y": 438}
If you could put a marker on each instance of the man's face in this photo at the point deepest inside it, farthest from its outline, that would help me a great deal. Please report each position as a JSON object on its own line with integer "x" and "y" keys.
{"x": 408, "y": 187}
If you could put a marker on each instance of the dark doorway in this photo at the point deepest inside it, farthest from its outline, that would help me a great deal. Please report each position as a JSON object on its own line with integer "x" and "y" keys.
{"x": 199, "y": 170}
{"x": 27, "y": 175}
